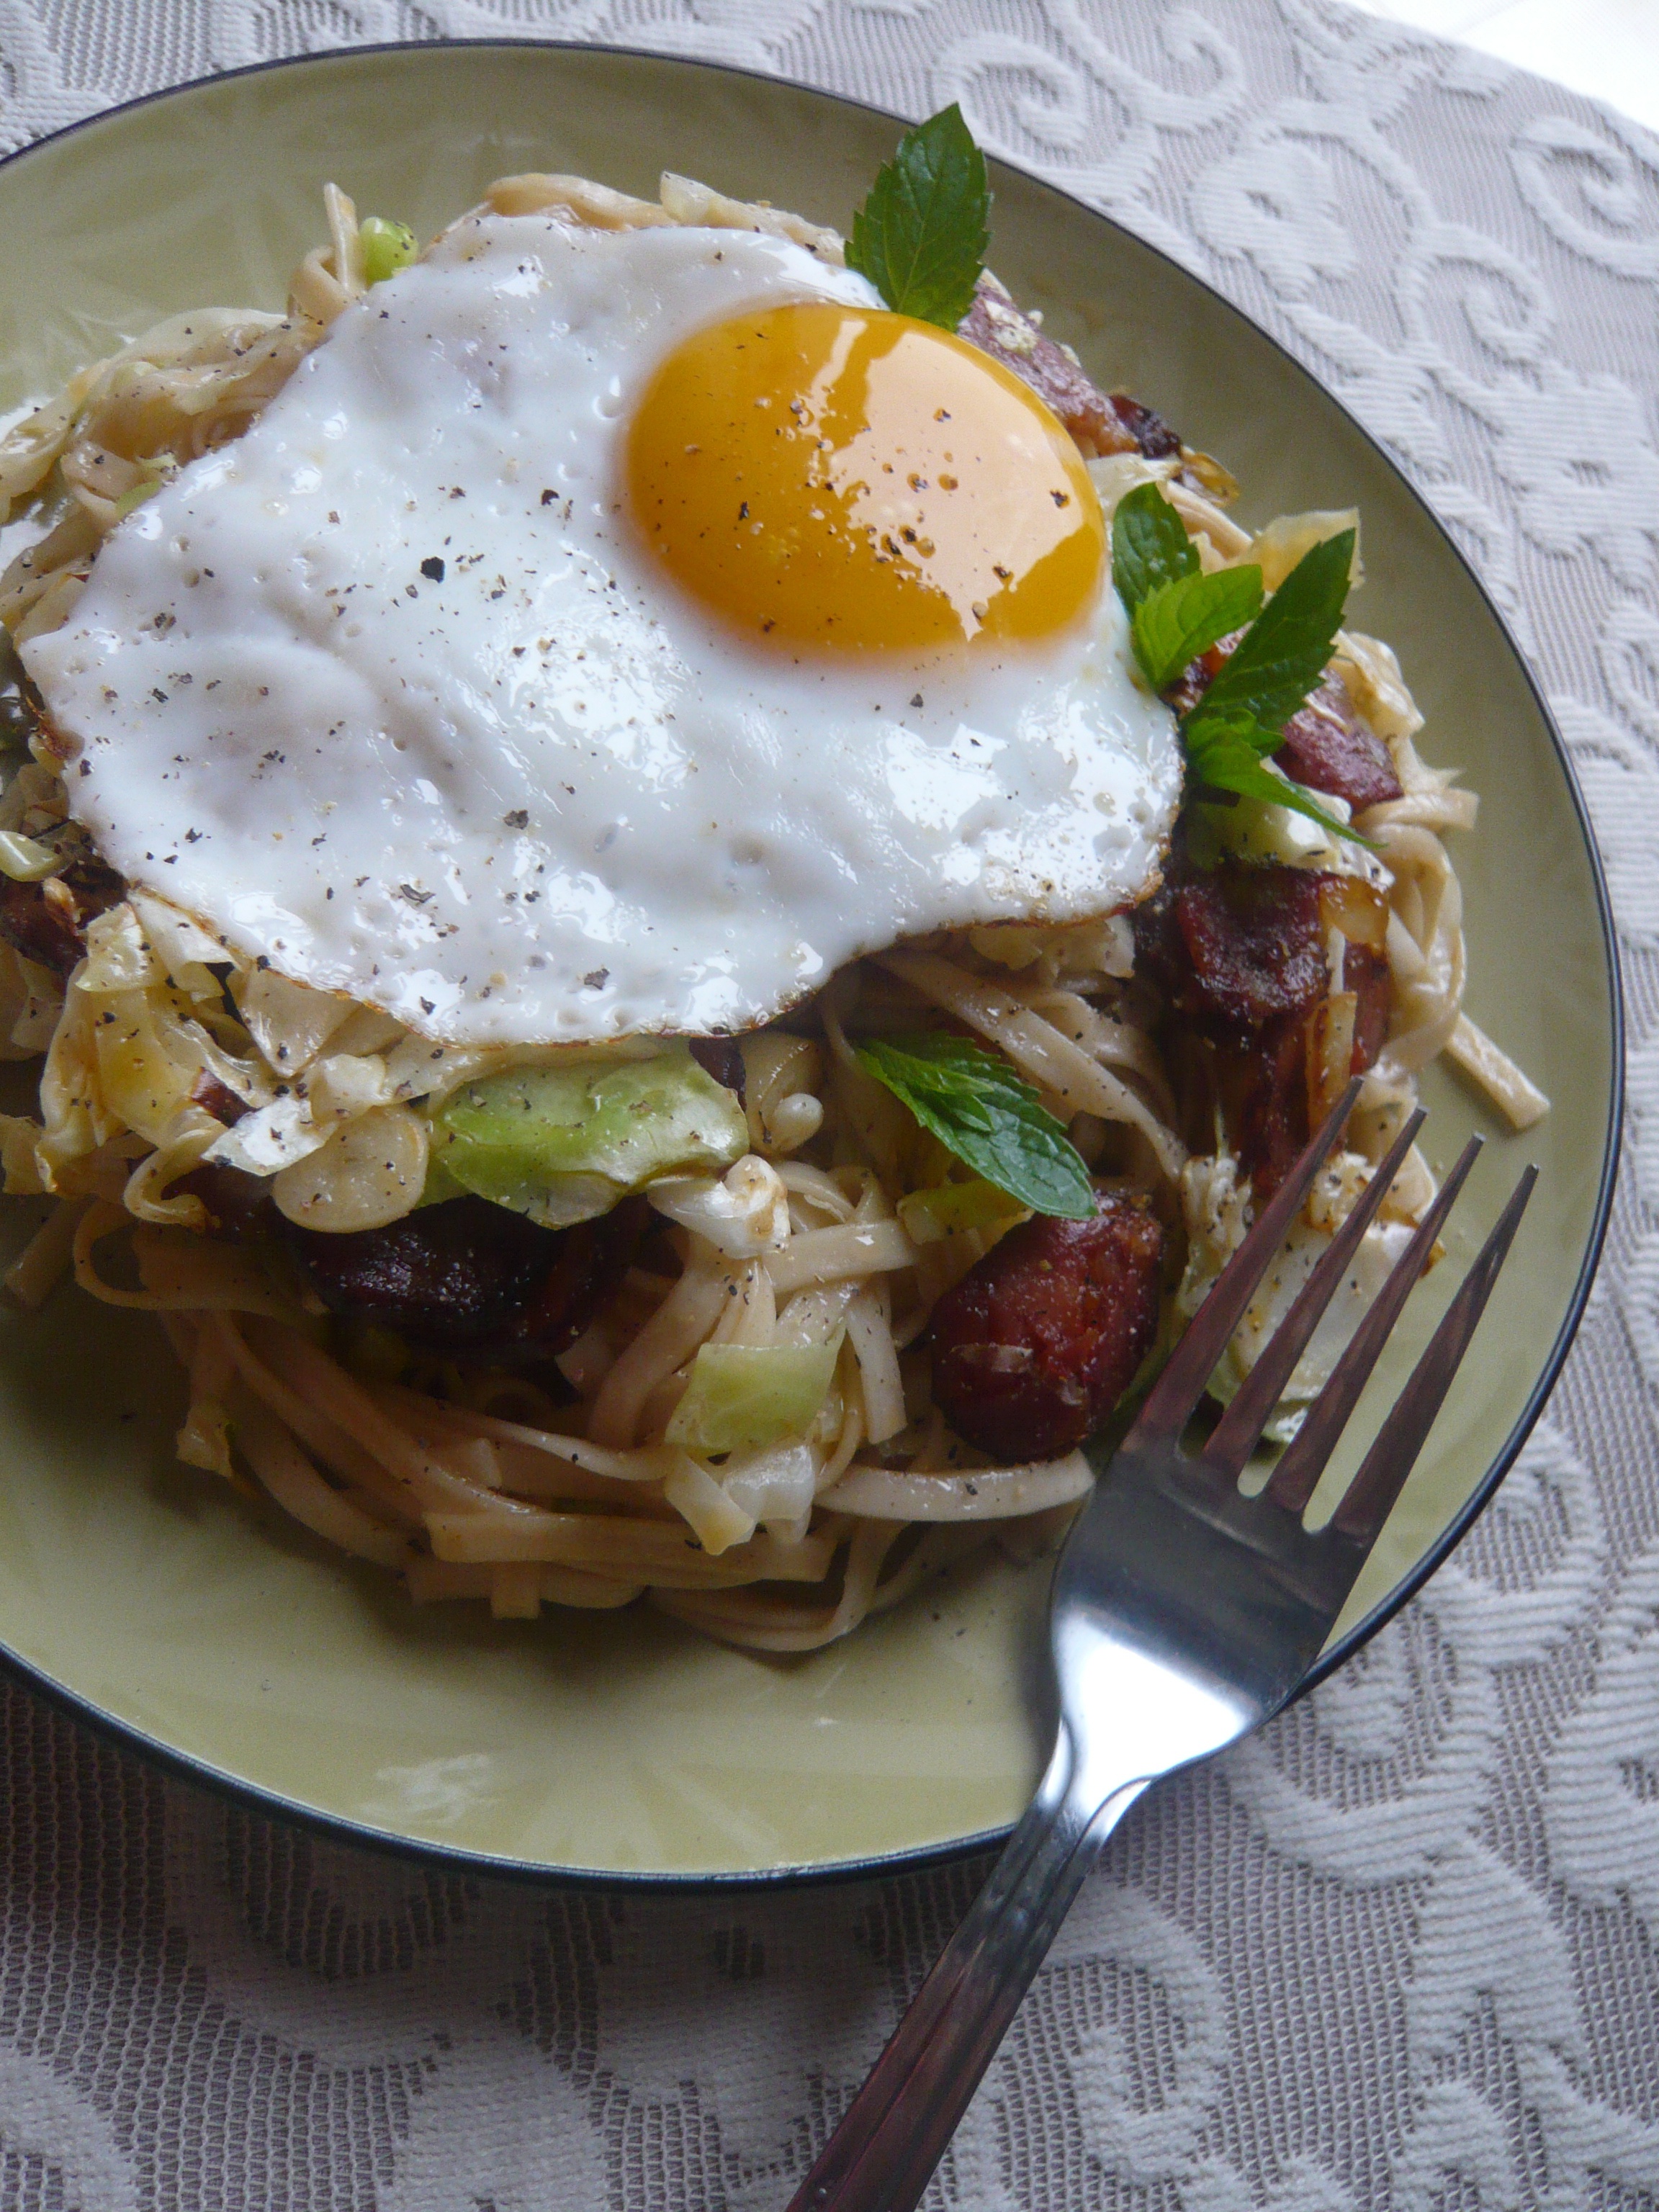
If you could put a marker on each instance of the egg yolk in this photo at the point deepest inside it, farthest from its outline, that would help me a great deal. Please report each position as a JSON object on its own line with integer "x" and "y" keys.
{"x": 847, "y": 479}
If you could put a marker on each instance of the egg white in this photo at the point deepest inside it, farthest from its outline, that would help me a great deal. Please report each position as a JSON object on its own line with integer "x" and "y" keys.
{"x": 388, "y": 692}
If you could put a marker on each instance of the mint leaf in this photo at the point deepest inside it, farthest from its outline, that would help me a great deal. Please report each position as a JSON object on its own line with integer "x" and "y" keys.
{"x": 1149, "y": 546}
{"x": 1283, "y": 654}
{"x": 921, "y": 236}
{"x": 988, "y": 1116}
{"x": 1176, "y": 612}
{"x": 1177, "y": 622}
{"x": 1227, "y": 753}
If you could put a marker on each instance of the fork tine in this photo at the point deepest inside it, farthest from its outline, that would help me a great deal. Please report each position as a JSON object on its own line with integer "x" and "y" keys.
{"x": 1371, "y": 1496}
{"x": 1293, "y": 1480}
{"x": 1239, "y": 1430}
{"x": 1170, "y": 1402}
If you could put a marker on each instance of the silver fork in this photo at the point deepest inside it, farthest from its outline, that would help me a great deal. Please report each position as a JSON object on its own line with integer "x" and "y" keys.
{"x": 1183, "y": 1614}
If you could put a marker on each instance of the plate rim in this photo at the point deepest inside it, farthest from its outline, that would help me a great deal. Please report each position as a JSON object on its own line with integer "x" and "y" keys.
{"x": 454, "y": 1858}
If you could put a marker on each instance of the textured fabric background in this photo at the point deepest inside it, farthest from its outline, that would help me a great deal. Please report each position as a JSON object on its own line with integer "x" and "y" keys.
{"x": 1399, "y": 1951}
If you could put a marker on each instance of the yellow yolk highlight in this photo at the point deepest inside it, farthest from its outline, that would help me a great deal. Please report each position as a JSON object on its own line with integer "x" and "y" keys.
{"x": 843, "y": 478}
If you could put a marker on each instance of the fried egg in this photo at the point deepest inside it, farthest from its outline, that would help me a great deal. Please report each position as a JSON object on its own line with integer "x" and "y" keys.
{"x": 616, "y": 632}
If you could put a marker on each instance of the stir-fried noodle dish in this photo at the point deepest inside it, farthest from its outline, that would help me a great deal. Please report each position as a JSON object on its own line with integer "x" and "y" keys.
{"x": 675, "y": 893}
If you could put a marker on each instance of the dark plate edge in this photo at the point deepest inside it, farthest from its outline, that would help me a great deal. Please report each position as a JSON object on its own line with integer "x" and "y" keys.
{"x": 482, "y": 1866}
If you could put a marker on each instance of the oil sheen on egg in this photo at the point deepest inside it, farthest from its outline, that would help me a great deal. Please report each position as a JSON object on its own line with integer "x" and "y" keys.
{"x": 608, "y": 632}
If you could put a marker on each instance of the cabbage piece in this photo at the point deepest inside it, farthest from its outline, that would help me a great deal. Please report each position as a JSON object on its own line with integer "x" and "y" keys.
{"x": 563, "y": 1144}
{"x": 744, "y": 1395}
{"x": 947, "y": 1208}
{"x": 1277, "y": 549}
{"x": 1256, "y": 830}
{"x": 776, "y": 1486}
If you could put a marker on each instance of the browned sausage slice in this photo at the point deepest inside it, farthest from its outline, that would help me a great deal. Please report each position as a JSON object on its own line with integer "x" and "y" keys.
{"x": 1039, "y": 1340}
{"x": 47, "y": 921}
{"x": 1367, "y": 974}
{"x": 1240, "y": 953}
{"x": 469, "y": 1276}
{"x": 1099, "y": 422}
{"x": 722, "y": 1058}
{"x": 238, "y": 1204}
{"x": 1237, "y": 946}
{"x": 1329, "y": 749}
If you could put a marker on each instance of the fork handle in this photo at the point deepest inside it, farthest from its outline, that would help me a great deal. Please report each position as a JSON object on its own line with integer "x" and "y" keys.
{"x": 893, "y": 2134}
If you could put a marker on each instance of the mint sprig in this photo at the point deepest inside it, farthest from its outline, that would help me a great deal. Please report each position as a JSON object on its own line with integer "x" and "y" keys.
{"x": 1284, "y": 653}
{"x": 988, "y": 1116}
{"x": 921, "y": 236}
{"x": 1228, "y": 754}
{"x": 1176, "y": 612}
{"x": 1150, "y": 549}
{"x": 1177, "y": 622}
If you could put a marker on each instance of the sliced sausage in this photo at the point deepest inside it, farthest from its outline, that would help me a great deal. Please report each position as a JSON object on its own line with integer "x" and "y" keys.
{"x": 218, "y": 1099}
{"x": 1039, "y": 1340}
{"x": 1329, "y": 749}
{"x": 1235, "y": 947}
{"x": 238, "y": 1204}
{"x": 47, "y": 921}
{"x": 591, "y": 1262}
{"x": 466, "y": 1275}
{"x": 1263, "y": 1081}
{"x": 1099, "y": 422}
{"x": 722, "y": 1058}
{"x": 1367, "y": 974}
{"x": 1239, "y": 953}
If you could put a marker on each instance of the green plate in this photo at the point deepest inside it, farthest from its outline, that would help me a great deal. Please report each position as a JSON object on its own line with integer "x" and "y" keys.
{"x": 153, "y": 1601}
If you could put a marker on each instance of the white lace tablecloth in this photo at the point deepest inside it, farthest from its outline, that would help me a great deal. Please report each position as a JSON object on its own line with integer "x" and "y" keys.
{"x": 1399, "y": 1950}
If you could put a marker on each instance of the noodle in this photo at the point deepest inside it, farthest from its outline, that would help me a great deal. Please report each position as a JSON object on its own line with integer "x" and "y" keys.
{"x": 830, "y": 1241}
{"x": 298, "y": 1488}
{"x": 987, "y": 1494}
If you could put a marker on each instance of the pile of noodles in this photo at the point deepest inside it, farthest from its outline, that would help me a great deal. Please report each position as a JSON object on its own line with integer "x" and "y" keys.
{"x": 838, "y": 1227}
